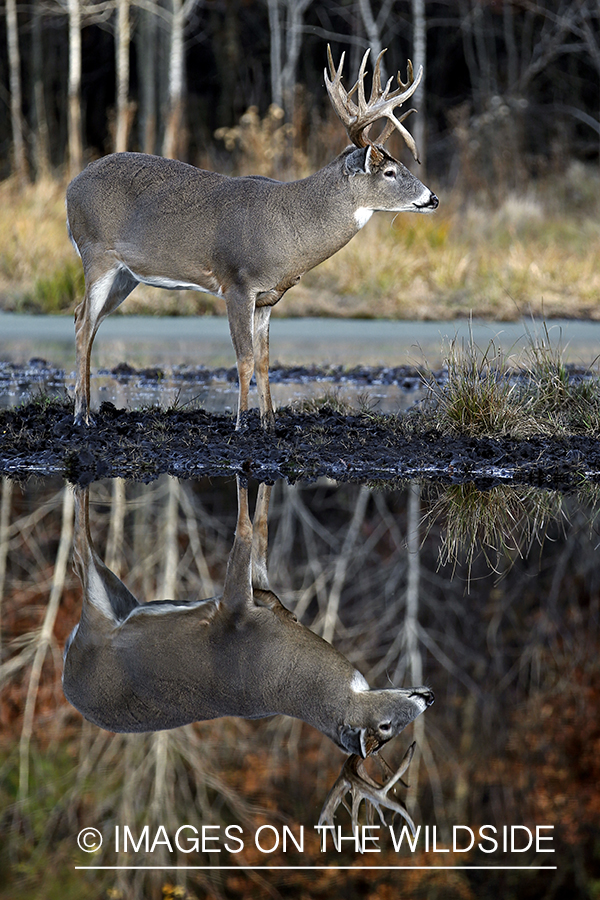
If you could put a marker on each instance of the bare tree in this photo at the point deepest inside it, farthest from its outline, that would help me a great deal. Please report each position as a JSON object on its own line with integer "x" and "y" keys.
{"x": 147, "y": 51}
{"x": 173, "y": 139}
{"x": 286, "y": 18}
{"x": 275, "y": 29}
{"x": 420, "y": 59}
{"x": 74, "y": 89}
{"x": 16, "y": 102}
{"x": 41, "y": 142}
{"x": 374, "y": 26}
{"x": 124, "y": 107}
{"x": 587, "y": 27}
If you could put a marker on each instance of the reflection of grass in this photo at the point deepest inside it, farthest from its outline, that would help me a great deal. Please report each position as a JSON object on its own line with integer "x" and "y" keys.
{"x": 500, "y": 523}
{"x": 534, "y": 254}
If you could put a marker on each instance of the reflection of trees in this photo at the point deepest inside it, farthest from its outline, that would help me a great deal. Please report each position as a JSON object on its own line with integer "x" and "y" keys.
{"x": 511, "y": 654}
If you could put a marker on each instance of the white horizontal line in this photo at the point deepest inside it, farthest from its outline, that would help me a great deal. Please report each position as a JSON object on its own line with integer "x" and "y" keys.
{"x": 295, "y": 868}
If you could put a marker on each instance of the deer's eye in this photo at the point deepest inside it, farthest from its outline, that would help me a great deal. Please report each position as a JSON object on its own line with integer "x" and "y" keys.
{"x": 389, "y": 173}
{"x": 385, "y": 727}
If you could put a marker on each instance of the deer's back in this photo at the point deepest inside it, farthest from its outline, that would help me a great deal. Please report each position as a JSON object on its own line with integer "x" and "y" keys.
{"x": 111, "y": 192}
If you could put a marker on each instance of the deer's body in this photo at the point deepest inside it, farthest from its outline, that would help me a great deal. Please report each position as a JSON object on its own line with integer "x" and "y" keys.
{"x": 145, "y": 667}
{"x": 139, "y": 218}
{"x": 169, "y": 224}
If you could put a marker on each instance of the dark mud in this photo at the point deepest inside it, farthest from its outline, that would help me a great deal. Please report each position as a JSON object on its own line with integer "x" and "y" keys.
{"x": 41, "y": 438}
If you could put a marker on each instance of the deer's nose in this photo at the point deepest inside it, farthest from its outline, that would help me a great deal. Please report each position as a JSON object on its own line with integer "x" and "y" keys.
{"x": 426, "y": 695}
{"x": 433, "y": 203}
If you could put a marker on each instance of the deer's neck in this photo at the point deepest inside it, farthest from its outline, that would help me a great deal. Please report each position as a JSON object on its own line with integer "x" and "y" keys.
{"x": 324, "y": 213}
{"x": 310, "y": 680}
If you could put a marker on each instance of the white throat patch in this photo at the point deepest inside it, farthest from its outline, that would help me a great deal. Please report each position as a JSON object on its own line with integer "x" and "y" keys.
{"x": 359, "y": 683}
{"x": 362, "y": 216}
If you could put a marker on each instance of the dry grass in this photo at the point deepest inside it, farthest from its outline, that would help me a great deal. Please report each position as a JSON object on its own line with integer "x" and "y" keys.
{"x": 535, "y": 253}
{"x": 485, "y": 395}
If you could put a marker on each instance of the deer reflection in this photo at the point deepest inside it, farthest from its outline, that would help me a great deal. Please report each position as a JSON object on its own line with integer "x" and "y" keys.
{"x": 133, "y": 667}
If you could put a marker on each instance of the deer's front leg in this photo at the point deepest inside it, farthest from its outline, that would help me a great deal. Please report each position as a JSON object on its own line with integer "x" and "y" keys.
{"x": 237, "y": 590}
{"x": 260, "y": 536}
{"x": 262, "y": 317}
{"x": 240, "y": 312}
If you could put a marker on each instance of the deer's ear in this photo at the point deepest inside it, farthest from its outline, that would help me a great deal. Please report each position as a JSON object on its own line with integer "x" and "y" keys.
{"x": 364, "y": 160}
{"x": 357, "y": 162}
{"x": 360, "y": 741}
{"x": 350, "y": 739}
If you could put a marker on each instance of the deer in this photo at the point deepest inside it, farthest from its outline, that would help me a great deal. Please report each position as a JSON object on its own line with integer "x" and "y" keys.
{"x": 137, "y": 667}
{"x": 134, "y": 217}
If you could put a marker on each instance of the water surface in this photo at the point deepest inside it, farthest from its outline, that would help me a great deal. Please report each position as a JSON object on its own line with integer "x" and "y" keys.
{"x": 491, "y": 598}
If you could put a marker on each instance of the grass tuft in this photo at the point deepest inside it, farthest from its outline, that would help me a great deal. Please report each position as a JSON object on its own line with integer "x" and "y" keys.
{"x": 483, "y": 395}
{"x": 477, "y": 397}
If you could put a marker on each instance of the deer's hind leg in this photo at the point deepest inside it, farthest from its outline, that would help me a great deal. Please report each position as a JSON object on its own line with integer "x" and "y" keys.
{"x": 105, "y": 290}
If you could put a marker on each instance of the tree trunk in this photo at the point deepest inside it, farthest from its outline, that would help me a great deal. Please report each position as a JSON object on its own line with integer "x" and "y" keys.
{"x": 124, "y": 108}
{"x": 74, "y": 91}
{"x": 295, "y": 10}
{"x": 275, "y": 29}
{"x": 40, "y": 122}
{"x": 373, "y": 35}
{"x": 411, "y": 624}
{"x": 14, "y": 62}
{"x": 172, "y": 144}
{"x": 420, "y": 59}
{"x": 147, "y": 47}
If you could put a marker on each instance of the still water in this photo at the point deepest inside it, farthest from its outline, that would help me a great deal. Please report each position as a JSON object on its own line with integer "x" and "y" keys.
{"x": 178, "y": 345}
{"x": 488, "y": 598}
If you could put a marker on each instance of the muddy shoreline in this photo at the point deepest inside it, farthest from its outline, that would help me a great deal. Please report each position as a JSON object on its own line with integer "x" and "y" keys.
{"x": 40, "y": 438}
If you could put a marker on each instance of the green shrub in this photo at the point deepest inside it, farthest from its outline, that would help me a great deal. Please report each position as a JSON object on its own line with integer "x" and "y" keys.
{"x": 57, "y": 292}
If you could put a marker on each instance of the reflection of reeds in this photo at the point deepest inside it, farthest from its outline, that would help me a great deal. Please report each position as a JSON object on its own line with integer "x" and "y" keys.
{"x": 500, "y": 523}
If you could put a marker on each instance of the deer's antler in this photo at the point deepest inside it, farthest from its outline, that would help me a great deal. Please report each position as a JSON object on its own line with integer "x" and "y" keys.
{"x": 358, "y": 117}
{"x": 355, "y": 778}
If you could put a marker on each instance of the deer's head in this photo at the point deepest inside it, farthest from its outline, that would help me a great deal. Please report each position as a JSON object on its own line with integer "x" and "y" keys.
{"x": 389, "y": 185}
{"x": 380, "y": 716}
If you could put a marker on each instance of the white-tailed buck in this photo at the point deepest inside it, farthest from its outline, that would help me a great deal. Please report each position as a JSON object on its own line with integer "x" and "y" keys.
{"x": 138, "y": 218}
{"x": 134, "y": 667}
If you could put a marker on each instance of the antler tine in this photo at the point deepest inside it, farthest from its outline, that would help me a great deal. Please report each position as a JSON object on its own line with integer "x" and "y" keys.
{"x": 333, "y": 73}
{"x": 355, "y": 779}
{"x": 409, "y": 76}
{"x": 340, "y": 98}
{"x": 376, "y": 83}
{"x": 362, "y": 101}
{"x": 358, "y": 117}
